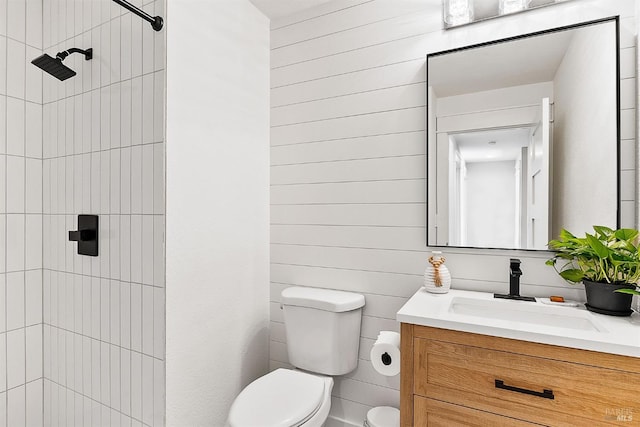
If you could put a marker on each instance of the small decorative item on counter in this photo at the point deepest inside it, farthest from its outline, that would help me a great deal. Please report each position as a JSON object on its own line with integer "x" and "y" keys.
{"x": 437, "y": 279}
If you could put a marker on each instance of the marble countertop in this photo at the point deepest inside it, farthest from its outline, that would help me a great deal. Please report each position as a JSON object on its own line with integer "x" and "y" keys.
{"x": 479, "y": 312}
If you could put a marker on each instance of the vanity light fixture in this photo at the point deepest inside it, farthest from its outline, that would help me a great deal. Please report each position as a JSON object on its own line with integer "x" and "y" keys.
{"x": 458, "y": 12}
{"x": 511, "y": 6}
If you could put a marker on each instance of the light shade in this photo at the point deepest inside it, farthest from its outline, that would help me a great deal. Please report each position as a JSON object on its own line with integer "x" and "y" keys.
{"x": 458, "y": 12}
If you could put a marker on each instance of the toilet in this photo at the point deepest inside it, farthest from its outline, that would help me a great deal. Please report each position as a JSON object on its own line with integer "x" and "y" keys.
{"x": 323, "y": 335}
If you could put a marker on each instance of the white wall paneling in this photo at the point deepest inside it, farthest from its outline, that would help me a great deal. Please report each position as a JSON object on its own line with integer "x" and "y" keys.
{"x": 348, "y": 142}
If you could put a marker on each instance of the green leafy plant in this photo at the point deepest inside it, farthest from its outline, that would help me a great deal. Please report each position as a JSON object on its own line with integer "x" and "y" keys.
{"x": 607, "y": 256}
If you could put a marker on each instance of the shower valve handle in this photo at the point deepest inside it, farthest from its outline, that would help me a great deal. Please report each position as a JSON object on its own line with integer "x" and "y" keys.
{"x": 82, "y": 236}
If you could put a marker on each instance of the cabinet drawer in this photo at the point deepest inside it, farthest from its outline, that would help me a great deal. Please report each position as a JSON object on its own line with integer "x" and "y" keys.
{"x": 514, "y": 385}
{"x": 433, "y": 413}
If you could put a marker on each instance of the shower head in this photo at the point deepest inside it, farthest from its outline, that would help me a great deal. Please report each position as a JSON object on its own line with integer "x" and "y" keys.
{"x": 55, "y": 67}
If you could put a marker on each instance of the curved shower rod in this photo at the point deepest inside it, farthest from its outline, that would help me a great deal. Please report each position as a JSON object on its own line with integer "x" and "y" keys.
{"x": 156, "y": 21}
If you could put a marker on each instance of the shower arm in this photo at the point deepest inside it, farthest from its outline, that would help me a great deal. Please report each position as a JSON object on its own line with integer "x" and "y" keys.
{"x": 88, "y": 54}
{"x": 156, "y": 21}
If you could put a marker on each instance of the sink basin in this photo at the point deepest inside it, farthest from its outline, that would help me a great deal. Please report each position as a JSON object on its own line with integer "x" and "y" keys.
{"x": 524, "y": 312}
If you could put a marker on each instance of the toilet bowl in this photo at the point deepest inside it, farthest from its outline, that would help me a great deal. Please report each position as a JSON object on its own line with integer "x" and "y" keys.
{"x": 283, "y": 398}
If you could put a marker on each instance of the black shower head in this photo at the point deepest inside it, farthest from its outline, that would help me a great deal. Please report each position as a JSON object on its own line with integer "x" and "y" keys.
{"x": 55, "y": 67}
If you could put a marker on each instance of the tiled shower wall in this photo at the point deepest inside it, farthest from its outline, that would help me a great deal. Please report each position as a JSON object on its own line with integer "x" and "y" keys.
{"x": 103, "y": 153}
{"x": 20, "y": 214}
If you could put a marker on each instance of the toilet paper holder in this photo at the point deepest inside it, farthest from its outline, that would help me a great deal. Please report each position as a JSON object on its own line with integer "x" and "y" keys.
{"x": 385, "y": 353}
{"x": 386, "y": 359}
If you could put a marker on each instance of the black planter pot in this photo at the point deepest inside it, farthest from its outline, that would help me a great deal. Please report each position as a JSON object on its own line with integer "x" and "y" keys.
{"x": 602, "y": 298}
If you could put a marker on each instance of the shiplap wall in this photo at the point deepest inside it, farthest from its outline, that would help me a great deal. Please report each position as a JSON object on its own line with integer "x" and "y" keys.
{"x": 348, "y": 163}
{"x": 103, "y": 151}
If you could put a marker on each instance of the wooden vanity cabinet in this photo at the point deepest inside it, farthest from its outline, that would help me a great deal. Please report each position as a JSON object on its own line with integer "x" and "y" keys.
{"x": 452, "y": 378}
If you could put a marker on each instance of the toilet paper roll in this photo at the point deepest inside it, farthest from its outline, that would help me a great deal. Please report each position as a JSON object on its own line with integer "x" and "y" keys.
{"x": 385, "y": 353}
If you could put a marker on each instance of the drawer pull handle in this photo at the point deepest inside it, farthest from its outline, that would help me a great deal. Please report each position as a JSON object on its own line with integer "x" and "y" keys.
{"x": 547, "y": 394}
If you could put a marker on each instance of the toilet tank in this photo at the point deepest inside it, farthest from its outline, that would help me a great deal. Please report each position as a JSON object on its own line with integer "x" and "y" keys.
{"x": 322, "y": 328}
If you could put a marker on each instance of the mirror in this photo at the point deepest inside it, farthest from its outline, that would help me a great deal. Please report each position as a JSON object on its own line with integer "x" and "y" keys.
{"x": 523, "y": 138}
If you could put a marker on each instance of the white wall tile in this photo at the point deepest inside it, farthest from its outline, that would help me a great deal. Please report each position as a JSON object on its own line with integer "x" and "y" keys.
{"x": 105, "y": 309}
{"x": 86, "y": 365}
{"x": 33, "y": 242}
{"x": 33, "y": 78}
{"x": 15, "y": 240}
{"x": 136, "y": 385}
{"x": 158, "y": 179}
{"x": 15, "y": 300}
{"x": 105, "y": 54}
{"x": 15, "y": 359}
{"x": 136, "y": 317}
{"x": 33, "y": 352}
{"x": 33, "y": 130}
{"x": 158, "y": 323}
{"x": 15, "y": 126}
{"x": 147, "y": 389}
{"x": 125, "y": 381}
{"x": 147, "y": 320}
{"x": 3, "y": 111}
{"x": 16, "y": 407}
{"x": 136, "y": 248}
{"x": 125, "y": 315}
{"x": 158, "y": 250}
{"x": 3, "y": 289}
{"x": 136, "y": 110}
{"x": 115, "y": 182}
{"x": 115, "y": 100}
{"x": 3, "y": 18}
{"x": 15, "y": 184}
{"x": 125, "y": 181}
{"x": 3, "y": 170}
{"x": 115, "y": 377}
{"x": 34, "y": 403}
{"x": 147, "y": 249}
{"x": 3, "y": 364}
{"x": 136, "y": 180}
{"x": 3, "y": 238}
{"x": 16, "y": 54}
{"x": 114, "y": 316}
{"x": 33, "y": 186}
{"x": 147, "y": 108}
{"x": 158, "y": 392}
{"x": 33, "y": 297}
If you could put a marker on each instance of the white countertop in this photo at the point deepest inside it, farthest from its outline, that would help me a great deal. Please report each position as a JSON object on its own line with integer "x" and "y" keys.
{"x": 479, "y": 312}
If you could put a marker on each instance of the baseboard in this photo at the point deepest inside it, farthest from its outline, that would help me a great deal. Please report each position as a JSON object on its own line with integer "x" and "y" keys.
{"x": 337, "y": 422}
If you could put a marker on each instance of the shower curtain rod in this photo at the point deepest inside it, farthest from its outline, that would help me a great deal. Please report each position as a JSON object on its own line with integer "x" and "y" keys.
{"x": 156, "y": 21}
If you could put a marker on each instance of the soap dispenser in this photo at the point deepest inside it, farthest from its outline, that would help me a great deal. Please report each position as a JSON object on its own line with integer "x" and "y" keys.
{"x": 437, "y": 279}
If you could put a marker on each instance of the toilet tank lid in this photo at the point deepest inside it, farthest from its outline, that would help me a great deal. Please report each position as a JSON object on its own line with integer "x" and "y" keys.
{"x": 322, "y": 299}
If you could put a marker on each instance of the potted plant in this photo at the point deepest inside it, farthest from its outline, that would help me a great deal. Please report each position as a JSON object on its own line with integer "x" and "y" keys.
{"x": 606, "y": 262}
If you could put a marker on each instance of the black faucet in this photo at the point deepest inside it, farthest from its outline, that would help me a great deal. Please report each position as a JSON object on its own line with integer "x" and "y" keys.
{"x": 514, "y": 283}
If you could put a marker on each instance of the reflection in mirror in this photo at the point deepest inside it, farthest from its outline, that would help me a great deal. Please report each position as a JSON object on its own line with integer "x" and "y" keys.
{"x": 523, "y": 138}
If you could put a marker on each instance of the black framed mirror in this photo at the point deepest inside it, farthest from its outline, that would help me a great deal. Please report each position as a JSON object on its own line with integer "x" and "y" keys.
{"x": 523, "y": 138}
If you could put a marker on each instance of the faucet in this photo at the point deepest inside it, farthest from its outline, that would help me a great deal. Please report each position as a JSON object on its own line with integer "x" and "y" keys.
{"x": 514, "y": 283}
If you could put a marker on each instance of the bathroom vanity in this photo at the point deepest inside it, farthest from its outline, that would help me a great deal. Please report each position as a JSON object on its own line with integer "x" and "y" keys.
{"x": 468, "y": 359}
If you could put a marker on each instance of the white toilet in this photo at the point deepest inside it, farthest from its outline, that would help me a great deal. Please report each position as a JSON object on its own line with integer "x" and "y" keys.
{"x": 323, "y": 335}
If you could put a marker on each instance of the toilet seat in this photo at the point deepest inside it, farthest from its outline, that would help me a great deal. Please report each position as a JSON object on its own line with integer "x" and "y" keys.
{"x": 282, "y": 398}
